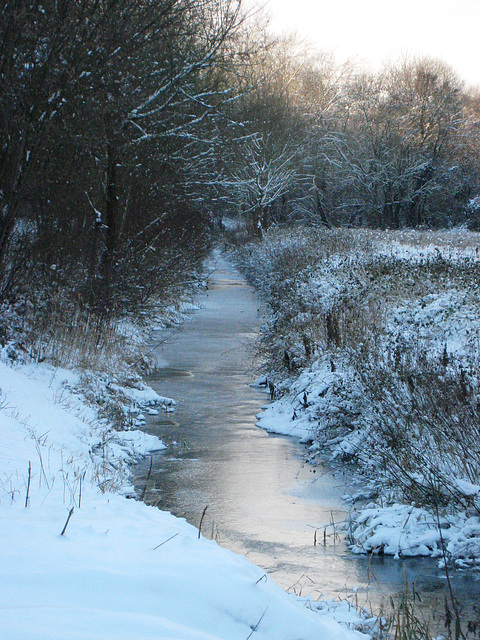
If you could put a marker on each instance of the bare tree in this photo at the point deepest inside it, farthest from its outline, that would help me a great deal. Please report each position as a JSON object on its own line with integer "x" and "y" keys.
{"x": 262, "y": 163}
{"x": 266, "y": 174}
{"x": 106, "y": 107}
{"x": 394, "y": 155}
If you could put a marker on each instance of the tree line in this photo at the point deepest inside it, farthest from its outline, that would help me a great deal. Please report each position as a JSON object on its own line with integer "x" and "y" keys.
{"x": 129, "y": 127}
{"x": 338, "y": 146}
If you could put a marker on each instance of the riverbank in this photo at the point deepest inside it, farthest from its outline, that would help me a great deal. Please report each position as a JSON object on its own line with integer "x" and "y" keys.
{"x": 372, "y": 339}
{"x": 81, "y": 560}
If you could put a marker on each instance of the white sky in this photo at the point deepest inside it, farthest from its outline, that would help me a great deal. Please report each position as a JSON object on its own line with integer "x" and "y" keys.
{"x": 381, "y": 30}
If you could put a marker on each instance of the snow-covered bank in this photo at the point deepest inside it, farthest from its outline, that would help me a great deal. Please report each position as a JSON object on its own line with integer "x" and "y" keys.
{"x": 322, "y": 403}
{"x": 406, "y": 530}
{"x": 373, "y": 343}
{"x": 80, "y": 560}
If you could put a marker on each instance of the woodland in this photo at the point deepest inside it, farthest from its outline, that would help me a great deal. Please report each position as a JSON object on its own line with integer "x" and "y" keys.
{"x": 131, "y": 130}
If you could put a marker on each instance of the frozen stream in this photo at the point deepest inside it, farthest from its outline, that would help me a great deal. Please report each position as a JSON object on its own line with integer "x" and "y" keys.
{"x": 263, "y": 501}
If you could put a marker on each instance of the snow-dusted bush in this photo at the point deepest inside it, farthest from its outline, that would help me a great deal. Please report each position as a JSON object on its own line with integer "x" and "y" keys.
{"x": 424, "y": 428}
{"x": 306, "y": 320}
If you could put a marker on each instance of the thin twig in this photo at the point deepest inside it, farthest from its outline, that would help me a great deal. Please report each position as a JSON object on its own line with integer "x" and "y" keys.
{"x": 165, "y": 541}
{"x": 144, "y": 492}
{"x": 255, "y": 627}
{"x": 201, "y": 522}
{"x": 82, "y": 477}
{"x": 37, "y": 446}
{"x": 27, "y": 497}
{"x": 68, "y": 520}
{"x": 458, "y": 627}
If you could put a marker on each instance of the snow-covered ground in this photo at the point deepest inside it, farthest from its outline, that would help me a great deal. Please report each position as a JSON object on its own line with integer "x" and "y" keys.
{"x": 79, "y": 560}
{"x": 382, "y": 314}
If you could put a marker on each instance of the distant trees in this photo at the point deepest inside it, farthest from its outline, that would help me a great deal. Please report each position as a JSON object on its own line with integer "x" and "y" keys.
{"x": 262, "y": 177}
{"x": 320, "y": 96}
{"x": 386, "y": 150}
{"x": 402, "y": 137}
{"x": 262, "y": 165}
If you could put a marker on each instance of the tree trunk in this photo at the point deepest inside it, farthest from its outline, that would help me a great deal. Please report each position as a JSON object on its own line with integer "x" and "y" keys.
{"x": 111, "y": 223}
{"x": 7, "y": 224}
{"x": 257, "y": 220}
{"x": 111, "y": 201}
{"x": 319, "y": 208}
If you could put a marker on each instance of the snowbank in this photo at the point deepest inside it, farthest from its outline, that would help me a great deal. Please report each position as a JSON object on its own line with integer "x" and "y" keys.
{"x": 374, "y": 351}
{"x": 403, "y": 530}
{"x": 81, "y": 561}
{"x": 322, "y": 397}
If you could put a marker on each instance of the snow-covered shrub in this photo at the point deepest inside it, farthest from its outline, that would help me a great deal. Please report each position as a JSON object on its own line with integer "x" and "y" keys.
{"x": 120, "y": 400}
{"x": 424, "y": 429}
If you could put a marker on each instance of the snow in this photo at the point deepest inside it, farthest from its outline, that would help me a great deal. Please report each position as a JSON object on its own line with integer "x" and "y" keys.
{"x": 402, "y": 530}
{"x": 79, "y": 560}
{"x": 313, "y": 403}
{"x": 423, "y": 290}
